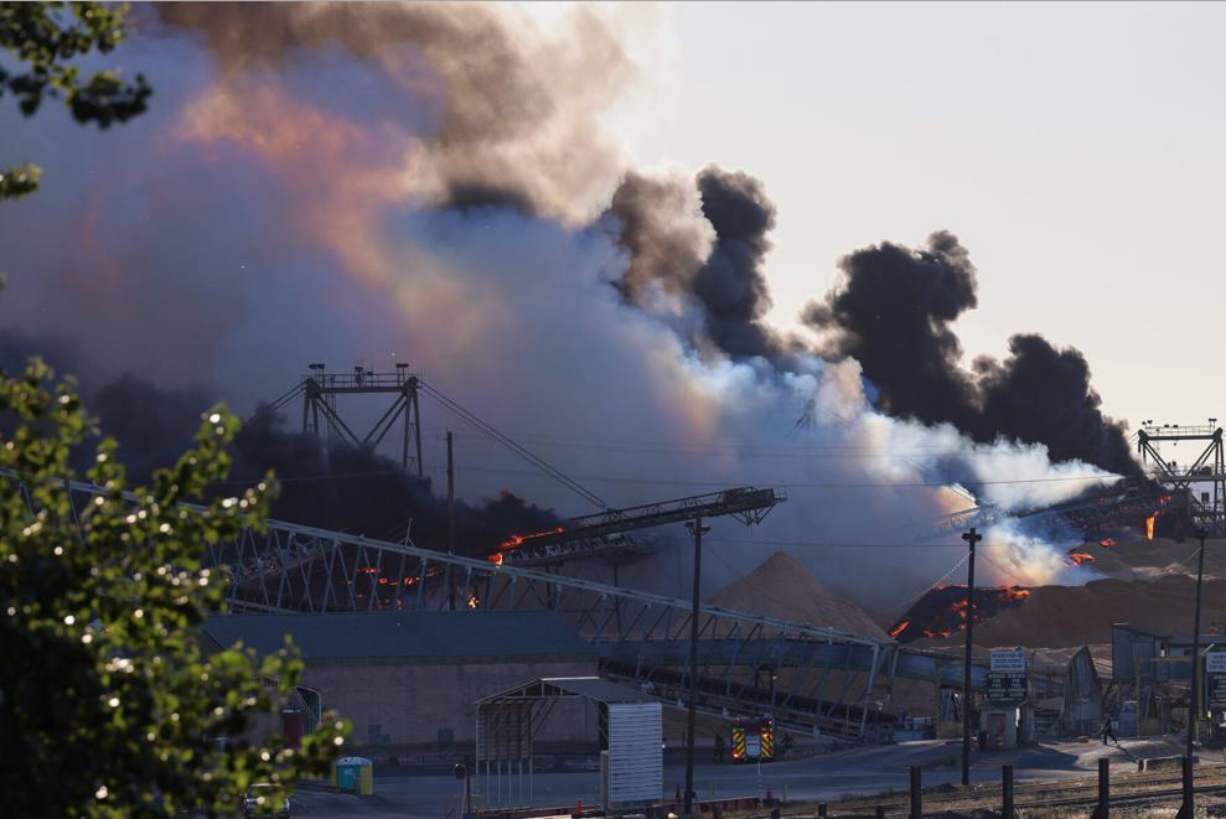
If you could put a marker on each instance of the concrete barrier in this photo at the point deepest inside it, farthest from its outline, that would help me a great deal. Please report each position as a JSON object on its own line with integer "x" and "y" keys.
{"x": 1163, "y": 763}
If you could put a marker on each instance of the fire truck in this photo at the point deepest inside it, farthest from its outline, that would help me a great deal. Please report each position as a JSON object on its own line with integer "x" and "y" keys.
{"x": 753, "y": 739}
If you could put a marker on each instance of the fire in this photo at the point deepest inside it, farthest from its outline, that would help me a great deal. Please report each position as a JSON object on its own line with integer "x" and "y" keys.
{"x": 1079, "y": 558}
{"x": 515, "y": 541}
{"x": 1107, "y": 542}
{"x": 1149, "y": 526}
{"x": 900, "y": 628}
{"x": 496, "y": 558}
{"x": 473, "y": 602}
{"x": 1016, "y": 594}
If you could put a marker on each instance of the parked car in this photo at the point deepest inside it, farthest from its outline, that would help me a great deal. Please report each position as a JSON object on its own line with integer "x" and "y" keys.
{"x": 252, "y": 806}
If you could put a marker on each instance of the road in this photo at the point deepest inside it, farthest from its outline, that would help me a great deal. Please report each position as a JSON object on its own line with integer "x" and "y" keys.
{"x": 826, "y": 777}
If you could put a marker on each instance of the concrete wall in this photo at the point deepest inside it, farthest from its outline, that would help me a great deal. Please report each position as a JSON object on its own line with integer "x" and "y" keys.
{"x": 400, "y": 703}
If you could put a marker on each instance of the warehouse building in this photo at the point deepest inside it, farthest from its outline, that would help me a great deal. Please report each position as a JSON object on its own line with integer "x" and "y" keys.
{"x": 412, "y": 679}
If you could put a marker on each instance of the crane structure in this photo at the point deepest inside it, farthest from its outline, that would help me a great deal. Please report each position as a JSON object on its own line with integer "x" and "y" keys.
{"x": 1125, "y": 504}
{"x": 1199, "y": 487}
{"x": 320, "y": 389}
{"x": 605, "y": 531}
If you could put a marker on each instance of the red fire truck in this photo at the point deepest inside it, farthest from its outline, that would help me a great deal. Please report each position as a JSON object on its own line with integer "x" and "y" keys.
{"x": 753, "y": 739}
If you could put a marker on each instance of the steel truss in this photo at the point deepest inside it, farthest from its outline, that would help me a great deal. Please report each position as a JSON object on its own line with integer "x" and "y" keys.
{"x": 823, "y": 680}
{"x": 319, "y": 391}
{"x": 1208, "y": 510}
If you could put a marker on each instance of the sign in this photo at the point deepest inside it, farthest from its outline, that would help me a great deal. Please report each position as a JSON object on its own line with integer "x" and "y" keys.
{"x": 1215, "y": 689}
{"x": 1010, "y": 660}
{"x": 1007, "y": 688}
{"x": 1215, "y": 662}
{"x": 636, "y": 756}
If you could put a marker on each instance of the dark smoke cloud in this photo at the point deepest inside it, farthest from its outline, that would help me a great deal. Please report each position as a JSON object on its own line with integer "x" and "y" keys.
{"x": 712, "y": 255}
{"x": 892, "y": 313}
{"x": 507, "y": 119}
{"x": 732, "y": 284}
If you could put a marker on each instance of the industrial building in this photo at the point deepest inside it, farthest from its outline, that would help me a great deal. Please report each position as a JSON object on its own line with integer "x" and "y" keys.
{"x": 412, "y": 679}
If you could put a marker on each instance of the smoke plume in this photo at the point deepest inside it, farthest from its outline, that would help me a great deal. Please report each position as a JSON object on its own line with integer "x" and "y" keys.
{"x": 352, "y": 182}
{"x": 714, "y": 255}
{"x": 892, "y": 312}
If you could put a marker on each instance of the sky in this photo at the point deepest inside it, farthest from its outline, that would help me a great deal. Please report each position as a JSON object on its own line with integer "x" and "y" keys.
{"x": 1076, "y": 149}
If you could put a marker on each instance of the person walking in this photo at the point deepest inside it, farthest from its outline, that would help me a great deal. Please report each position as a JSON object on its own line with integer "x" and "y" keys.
{"x": 719, "y": 747}
{"x": 1106, "y": 731}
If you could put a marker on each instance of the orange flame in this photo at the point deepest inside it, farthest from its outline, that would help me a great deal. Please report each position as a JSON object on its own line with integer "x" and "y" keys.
{"x": 1079, "y": 558}
{"x": 1149, "y": 527}
{"x": 496, "y": 558}
{"x": 518, "y": 540}
{"x": 900, "y": 628}
{"x": 1107, "y": 542}
{"x": 473, "y": 602}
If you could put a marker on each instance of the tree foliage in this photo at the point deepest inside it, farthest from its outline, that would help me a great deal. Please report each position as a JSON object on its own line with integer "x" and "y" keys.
{"x": 108, "y": 705}
{"x": 44, "y": 37}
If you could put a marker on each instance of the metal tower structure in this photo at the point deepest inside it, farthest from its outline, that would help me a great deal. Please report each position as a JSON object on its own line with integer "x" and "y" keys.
{"x": 1199, "y": 487}
{"x": 319, "y": 391}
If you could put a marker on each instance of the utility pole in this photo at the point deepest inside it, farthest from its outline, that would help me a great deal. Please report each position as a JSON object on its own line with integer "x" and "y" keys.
{"x": 972, "y": 537}
{"x": 698, "y": 529}
{"x": 1193, "y": 698}
{"x": 450, "y": 518}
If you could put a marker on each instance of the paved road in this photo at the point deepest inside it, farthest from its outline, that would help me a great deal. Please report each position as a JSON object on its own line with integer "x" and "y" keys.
{"x": 858, "y": 771}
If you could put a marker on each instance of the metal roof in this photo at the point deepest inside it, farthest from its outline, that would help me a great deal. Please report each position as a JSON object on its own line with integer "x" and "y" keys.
{"x": 594, "y": 688}
{"x": 413, "y": 636}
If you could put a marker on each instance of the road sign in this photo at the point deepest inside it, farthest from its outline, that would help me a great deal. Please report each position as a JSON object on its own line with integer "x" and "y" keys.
{"x": 1010, "y": 660}
{"x": 1215, "y": 662}
{"x": 1007, "y": 688}
{"x": 1215, "y": 687}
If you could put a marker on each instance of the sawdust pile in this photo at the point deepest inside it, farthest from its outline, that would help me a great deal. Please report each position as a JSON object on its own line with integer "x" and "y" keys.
{"x": 1070, "y": 616}
{"x": 1149, "y": 559}
{"x": 782, "y": 587}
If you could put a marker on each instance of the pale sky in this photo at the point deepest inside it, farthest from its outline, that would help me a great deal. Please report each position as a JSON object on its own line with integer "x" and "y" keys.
{"x": 1076, "y": 150}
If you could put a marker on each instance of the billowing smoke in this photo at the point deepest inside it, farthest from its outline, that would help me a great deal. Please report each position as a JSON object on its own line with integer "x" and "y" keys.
{"x": 892, "y": 312}
{"x": 499, "y": 117}
{"x": 713, "y": 255}
{"x": 348, "y": 182}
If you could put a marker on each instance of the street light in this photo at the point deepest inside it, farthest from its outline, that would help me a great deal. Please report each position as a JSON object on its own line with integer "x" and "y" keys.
{"x": 698, "y": 530}
{"x": 1193, "y": 705}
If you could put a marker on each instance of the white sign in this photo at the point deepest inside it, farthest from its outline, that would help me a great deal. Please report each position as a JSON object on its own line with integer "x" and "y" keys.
{"x": 1009, "y": 660}
{"x": 1215, "y": 662}
{"x": 636, "y": 760}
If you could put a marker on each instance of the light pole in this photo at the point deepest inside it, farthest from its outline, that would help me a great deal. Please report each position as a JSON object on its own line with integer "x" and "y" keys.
{"x": 972, "y": 537}
{"x": 695, "y": 526}
{"x": 1193, "y": 698}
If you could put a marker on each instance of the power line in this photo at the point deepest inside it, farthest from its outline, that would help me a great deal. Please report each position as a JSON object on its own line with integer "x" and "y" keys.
{"x": 748, "y": 450}
{"x": 510, "y": 444}
{"x": 798, "y": 484}
{"x": 907, "y": 604}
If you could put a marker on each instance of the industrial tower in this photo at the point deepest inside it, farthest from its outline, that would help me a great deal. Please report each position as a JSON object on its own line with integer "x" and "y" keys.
{"x": 319, "y": 390}
{"x": 1201, "y": 486}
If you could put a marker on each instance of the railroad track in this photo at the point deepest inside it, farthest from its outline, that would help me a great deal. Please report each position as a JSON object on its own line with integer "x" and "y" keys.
{"x": 1126, "y": 789}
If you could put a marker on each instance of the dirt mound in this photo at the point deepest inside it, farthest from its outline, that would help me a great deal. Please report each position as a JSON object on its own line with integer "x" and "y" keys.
{"x": 1070, "y": 616}
{"x": 1140, "y": 559}
{"x": 782, "y": 587}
